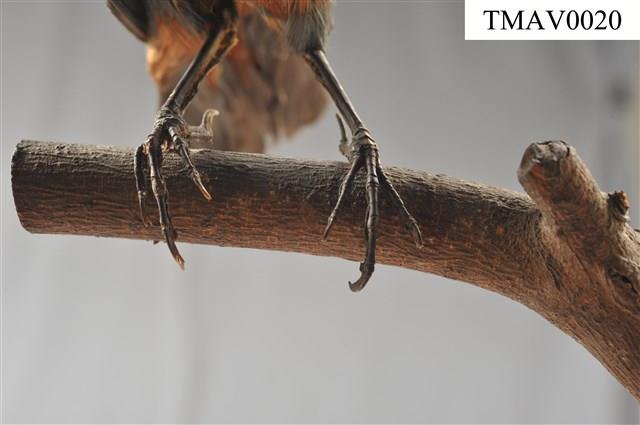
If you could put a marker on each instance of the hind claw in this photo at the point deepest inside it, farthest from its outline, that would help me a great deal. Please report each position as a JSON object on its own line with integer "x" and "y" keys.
{"x": 356, "y": 164}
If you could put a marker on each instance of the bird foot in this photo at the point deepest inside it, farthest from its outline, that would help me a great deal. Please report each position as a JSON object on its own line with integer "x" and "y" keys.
{"x": 169, "y": 134}
{"x": 362, "y": 152}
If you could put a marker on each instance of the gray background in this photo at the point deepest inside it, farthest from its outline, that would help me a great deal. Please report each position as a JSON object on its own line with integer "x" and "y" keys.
{"x": 100, "y": 330}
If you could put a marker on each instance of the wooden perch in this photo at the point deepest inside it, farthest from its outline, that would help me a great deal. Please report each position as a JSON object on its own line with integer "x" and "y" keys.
{"x": 567, "y": 252}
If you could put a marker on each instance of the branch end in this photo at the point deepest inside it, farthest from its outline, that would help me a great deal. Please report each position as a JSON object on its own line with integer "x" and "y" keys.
{"x": 542, "y": 159}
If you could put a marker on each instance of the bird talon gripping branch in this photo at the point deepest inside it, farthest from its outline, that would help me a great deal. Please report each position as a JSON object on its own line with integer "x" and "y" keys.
{"x": 169, "y": 133}
{"x": 363, "y": 153}
{"x": 174, "y": 28}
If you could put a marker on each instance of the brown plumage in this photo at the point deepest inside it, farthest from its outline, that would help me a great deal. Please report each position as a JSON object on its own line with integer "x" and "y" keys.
{"x": 254, "y": 61}
{"x": 263, "y": 90}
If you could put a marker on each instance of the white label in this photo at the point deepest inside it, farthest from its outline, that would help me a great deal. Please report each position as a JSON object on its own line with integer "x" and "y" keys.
{"x": 552, "y": 19}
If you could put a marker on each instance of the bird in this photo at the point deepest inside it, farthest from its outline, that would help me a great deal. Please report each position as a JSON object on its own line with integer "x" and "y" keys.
{"x": 263, "y": 65}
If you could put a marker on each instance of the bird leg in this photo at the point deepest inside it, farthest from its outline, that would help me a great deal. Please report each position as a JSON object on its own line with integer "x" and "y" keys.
{"x": 362, "y": 153}
{"x": 171, "y": 131}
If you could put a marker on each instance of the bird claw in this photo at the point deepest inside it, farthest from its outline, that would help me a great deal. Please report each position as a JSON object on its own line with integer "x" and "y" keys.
{"x": 363, "y": 153}
{"x": 203, "y": 133}
{"x": 366, "y": 270}
{"x": 169, "y": 132}
{"x": 140, "y": 163}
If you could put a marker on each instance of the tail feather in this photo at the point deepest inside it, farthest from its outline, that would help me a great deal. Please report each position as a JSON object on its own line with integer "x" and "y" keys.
{"x": 264, "y": 90}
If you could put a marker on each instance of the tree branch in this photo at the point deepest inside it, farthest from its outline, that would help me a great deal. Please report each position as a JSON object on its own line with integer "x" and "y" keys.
{"x": 570, "y": 255}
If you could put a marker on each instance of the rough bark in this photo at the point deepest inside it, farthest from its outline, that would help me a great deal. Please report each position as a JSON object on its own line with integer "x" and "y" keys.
{"x": 567, "y": 252}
